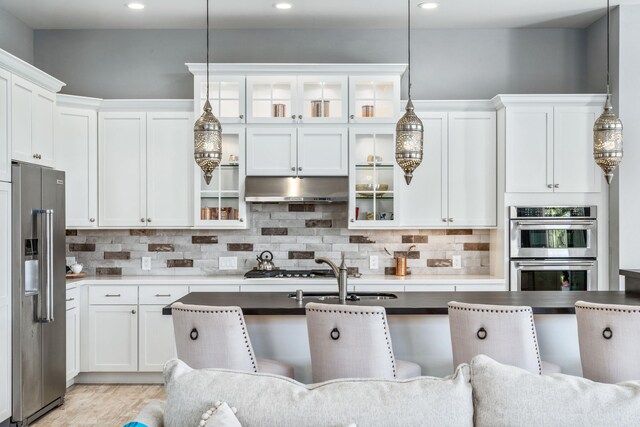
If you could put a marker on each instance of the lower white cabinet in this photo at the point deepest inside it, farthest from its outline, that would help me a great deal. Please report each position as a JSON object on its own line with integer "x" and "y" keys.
{"x": 5, "y": 301}
{"x": 73, "y": 342}
{"x": 113, "y": 338}
{"x": 156, "y": 343}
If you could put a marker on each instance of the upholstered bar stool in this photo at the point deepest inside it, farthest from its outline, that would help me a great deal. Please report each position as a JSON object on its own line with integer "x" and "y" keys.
{"x": 609, "y": 337}
{"x": 353, "y": 342}
{"x": 216, "y": 337}
{"x": 504, "y": 333}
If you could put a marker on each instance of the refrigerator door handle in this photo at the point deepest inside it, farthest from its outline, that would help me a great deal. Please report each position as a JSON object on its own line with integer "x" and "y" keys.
{"x": 46, "y": 296}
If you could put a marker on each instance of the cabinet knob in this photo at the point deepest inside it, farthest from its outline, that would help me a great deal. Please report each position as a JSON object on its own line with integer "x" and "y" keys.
{"x": 35, "y": 156}
{"x": 352, "y": 117}
{"x": 148, "y": 219}
{"x": 293, "y": 116}
{"x": 240, "y": 219}
{"x": 444, "y": 219}
{"x": 293, "y": 168}
{"x": 556, "y": 186}
{"x": 92, "y": 220}
{"x": 141, "y": 219}
{"x": 241, "y": 116}
{"x": 549, "y": 185}
{"x": 133, "y": 312}
{"x": 352, "y": 220}
{"x": 299, "y": 168}
{"x": 300, "y": 116}
{"x": 450, "y": 219}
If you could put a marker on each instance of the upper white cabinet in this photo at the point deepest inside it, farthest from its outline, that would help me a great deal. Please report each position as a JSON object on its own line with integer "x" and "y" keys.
{"x": 374, "y": 99}
{"x": 272, "y": 99}
{"x": 32, "y": 122}
{"x": 549, "y": 143}
{"x": 226, "y": 96}
{"x": 76, "y": 147}
{"x": 145, "y": 169}
{"x": 297, "y": 151}
{"x": 5, "y": 300}
{"x": 455, "y": 186}
{"x": 5, "y": 130}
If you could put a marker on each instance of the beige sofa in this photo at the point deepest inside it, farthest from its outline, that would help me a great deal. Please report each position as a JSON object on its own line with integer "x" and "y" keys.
{"x": 483, "y": 393}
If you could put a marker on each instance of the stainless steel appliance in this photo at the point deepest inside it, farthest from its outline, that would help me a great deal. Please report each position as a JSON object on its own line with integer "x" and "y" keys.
{"x": 294, "y": 274}
{"x": 38, "y": 261}
{"x": 324, "y": 189}
{"x": 553, "y": 248}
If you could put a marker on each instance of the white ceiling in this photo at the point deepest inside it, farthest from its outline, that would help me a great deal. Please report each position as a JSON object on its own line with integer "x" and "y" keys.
{"x": 110, "y": 14}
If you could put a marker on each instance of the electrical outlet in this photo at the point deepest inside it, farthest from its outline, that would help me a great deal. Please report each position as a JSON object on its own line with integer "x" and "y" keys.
{"x": 71, "y": 260}
{"x": 457, "y": 261}
{"x": 146, "y": 263}
{"x": 228, "y": 263}
{"x": 373, "y": 262}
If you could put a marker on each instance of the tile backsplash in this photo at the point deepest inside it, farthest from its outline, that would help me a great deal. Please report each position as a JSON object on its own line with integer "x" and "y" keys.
{"x": 296, "y": 234}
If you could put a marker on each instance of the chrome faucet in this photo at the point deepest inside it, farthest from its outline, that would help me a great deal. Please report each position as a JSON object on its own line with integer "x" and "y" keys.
{"x": 341, "y": 275}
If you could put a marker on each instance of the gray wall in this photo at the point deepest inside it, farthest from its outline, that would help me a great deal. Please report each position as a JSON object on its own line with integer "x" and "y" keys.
{"x": 447, "y": 64}
{"x": 16, "y": 37}
{"x": 596, "y": 55}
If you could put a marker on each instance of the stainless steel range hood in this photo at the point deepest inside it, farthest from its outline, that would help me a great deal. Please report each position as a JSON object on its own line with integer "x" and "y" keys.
{"x": 328, "y": 189}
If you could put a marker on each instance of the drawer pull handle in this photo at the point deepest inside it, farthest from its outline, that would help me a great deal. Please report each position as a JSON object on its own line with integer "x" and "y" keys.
{"x": 607, "y": 333}
{"x": 163, "y": 295}
{"x": 194, "y": 334}
{"x": 70, "y": 299}
{"x": 112, "y": 295}
{"x": 482, "y": 333}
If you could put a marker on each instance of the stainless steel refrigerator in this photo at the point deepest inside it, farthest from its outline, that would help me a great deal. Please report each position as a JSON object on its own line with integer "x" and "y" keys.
{"x": 38, "y": 297}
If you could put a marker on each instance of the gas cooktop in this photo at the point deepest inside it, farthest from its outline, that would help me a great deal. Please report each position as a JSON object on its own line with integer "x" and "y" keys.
{"x": 279, "y": 274}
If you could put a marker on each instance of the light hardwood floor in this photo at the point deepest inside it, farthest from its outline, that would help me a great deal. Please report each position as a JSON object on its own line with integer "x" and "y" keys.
{"x": 101, "y": 405}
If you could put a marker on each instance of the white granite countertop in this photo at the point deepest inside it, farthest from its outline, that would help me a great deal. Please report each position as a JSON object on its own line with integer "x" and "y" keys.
{"x": 240, "y": 280}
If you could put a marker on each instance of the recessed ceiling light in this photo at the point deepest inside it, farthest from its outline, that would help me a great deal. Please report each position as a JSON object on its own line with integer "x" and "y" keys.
{"x": 283, "y": 6}
{"x": 135, "y": 6}
{"x": 429, "y": 5}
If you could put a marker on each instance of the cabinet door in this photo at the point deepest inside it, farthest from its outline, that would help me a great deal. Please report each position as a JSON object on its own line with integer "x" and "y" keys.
{"x": 472, "y": 169}
{"x": 22, "y": 95}
{"x": 272, "y": 99}
{"x": 44, "y": 104}
{"x": 271, "y": 151}
{"x": 122, "y": 169}
{"x": 169, "y": 169}
{"x": 156, "y": 342}
{"x": 323, "y": 151}
{"x": 529, "y": 148}
{"x": 113, "y": 338}
{"x": 5, "y": 300}
{"x": 73, "y": 343}
{"x": 424, "y": 202}
{"x": 374, "y": 99}
{"x": 226, "y": 96}
{"x": 5, "y": 130}
{"x": 76, "y": 147}
{"x": 323, "y": 99}
{"x": 573, "y": 167}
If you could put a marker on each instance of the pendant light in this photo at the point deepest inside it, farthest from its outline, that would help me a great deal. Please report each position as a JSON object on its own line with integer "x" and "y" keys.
{"x": 207, "y": 131}
{"x": 607, "y": 130}
{"x": 409, "y": 129}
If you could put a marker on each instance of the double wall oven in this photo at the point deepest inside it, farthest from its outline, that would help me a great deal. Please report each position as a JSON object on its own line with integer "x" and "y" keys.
{"x": 553, "y": 248}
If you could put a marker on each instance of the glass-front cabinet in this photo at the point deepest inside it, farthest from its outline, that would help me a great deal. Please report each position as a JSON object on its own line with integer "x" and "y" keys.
{"x": 220, "y": 204}
{"x": 372, "y": 178}
{"x": 374, "y": 99}
{"x": 297, "y": 99}
{"x": 226, "y": 96}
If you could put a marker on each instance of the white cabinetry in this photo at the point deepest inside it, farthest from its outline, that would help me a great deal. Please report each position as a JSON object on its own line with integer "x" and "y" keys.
{"x": 297, "y": 151}
{"x": 549, "y": 143}
{"x": 145, "y": 169}
{"x": 113, "y": 338}
{"x": 32, "y": 122}
{"x": 456, "y": 185}
{"x": 76, "y": 147}
{"x": 5, "y": 301}
{"x": 73, "y": 333}
{"x": 374, "y": 99}
{"x": 5, "y": 130}
{"x": 226, "y": 96}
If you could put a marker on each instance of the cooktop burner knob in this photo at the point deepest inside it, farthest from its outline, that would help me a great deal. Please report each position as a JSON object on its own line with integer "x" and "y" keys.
{"x": 312, "y": 275}
{"x": 288, "y": 274}
{"x": 296, "y": 275}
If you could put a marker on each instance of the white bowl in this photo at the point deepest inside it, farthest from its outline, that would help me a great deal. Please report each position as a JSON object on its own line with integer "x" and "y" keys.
{"x": 76, "y": 268}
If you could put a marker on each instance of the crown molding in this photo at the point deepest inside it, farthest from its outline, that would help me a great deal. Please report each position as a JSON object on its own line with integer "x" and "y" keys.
{"x": 17, "y": 66}
{"x": 588, "y": 99}
{"x": 310, "y": 69}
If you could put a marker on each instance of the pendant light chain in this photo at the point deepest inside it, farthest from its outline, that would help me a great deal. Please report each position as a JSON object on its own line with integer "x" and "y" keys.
{"x": 207, "y": 50}
{"x": 409, "y": 45}
{"x": 608, "y": 46}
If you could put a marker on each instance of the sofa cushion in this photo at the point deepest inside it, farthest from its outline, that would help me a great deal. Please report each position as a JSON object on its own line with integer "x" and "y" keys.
{"x": 271, "y": 400}
{"x": 508, "y": 396}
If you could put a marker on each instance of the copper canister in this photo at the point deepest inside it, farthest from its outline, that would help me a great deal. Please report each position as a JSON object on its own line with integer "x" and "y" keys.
{"x": 367, "y": 111}
{"x": 279, "y": 110}
{"x": 213, "y": 212}
{"x": 401, "y": 266}
{"x": 205, "y": 214}
{"x": 320, "y": 108}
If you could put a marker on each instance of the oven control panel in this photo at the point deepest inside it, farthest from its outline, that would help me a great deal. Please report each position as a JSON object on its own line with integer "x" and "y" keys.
{"x": 524, "y": 212}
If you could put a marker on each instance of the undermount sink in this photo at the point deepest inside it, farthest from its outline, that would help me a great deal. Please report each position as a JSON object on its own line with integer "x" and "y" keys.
{"x": 329, "y": 296}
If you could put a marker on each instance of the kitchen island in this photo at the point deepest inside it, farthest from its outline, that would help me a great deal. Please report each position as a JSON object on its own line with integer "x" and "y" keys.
{"x": 418, "y": 322}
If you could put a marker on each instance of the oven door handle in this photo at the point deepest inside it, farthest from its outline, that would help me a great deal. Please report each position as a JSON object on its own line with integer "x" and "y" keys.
{"x": 556, "y": 223}
{"x": 554, "y": 263}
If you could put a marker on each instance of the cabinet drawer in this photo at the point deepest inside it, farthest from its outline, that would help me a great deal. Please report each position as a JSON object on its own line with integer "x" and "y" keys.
{"x": 73, "y": 296}
{"x": 162, "y": 294}
{"x": 126, "y": 294}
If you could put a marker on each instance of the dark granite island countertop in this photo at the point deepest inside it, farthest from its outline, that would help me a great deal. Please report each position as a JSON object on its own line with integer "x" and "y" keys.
{"x": 408, "y": 303}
